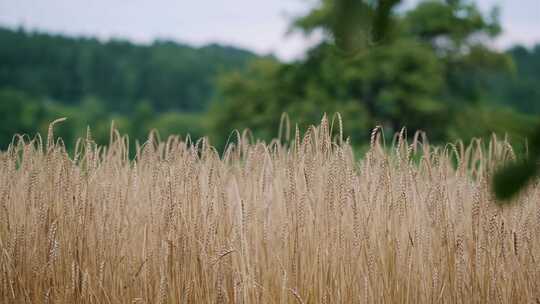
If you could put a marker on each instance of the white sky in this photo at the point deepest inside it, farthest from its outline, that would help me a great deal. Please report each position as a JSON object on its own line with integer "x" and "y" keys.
{"x": 254, "y": 24}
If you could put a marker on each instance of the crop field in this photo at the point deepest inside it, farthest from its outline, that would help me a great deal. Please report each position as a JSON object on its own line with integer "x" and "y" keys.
{"x": 299, "y": 220}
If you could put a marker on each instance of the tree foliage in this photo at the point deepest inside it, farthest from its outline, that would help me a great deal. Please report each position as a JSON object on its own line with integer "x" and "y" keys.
{"x": 417, "y": 69}
{"x": 170, "y": 76}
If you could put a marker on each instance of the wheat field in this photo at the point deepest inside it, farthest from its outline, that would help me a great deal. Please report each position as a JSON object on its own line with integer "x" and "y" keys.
{"x": 292, "y": 221}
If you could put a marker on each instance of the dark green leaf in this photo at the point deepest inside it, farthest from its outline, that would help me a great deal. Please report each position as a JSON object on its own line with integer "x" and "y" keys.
{"x": 512, "y": 178}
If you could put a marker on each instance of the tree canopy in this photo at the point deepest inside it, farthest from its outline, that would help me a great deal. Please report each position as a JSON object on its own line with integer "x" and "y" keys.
{"x": 168, "y": 75}
{"x": 418, "y": 69}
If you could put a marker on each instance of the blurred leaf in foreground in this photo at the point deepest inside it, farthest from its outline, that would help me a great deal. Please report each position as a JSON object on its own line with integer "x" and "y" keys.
{"x": 512, "y": 178}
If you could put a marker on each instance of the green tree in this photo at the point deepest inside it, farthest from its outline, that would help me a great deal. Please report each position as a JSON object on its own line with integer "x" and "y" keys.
{"x": 141, "y": 121}
{"x": 417, "y": 69}
{"x": 18, "y": 114}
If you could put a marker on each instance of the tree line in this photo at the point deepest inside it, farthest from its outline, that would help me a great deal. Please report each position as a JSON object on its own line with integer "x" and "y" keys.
{"x": 165, "y": 85}
{"x": 432, "y": 69}
{"x": 168, "y": 75}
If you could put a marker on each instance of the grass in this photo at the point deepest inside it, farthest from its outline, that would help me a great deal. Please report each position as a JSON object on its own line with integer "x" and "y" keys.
{"x": 297, "y": 222}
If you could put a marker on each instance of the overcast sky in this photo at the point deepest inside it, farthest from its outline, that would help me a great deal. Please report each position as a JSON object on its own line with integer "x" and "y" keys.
{"x": 255, "y": 24}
